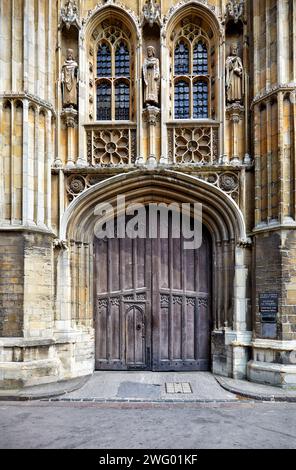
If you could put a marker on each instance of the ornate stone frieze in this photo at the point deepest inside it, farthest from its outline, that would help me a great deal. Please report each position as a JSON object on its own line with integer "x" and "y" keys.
{"x": 197, "y": 145}
{"x": 174, "y": 8}
{"x": 32, "y": 98}
{"x": 77, "y": 183}
{"x": 151, "y": 13}
{"x": 118, "y": 5}
{"x": 60, "y": 244}
{"x": 225, "y": 180}
{"x": 245, "y": 243}
{"x": 235, "y": 10}
{"x": 70, "y": 117}
{"x": 111, "y": 147}
{"x": 151, "y": 115}
{"x": 288, "y": 87}
{"x": 70, "y": 15}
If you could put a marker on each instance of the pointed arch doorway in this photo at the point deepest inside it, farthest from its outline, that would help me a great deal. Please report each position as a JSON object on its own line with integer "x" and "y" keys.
{"x": 152, "y": 304}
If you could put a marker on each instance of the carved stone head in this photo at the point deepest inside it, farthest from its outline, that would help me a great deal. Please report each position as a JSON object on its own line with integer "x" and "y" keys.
{"x": 69, "y": 53}
{"x": 150, "y": 51}
{"x": 234, "y": 49}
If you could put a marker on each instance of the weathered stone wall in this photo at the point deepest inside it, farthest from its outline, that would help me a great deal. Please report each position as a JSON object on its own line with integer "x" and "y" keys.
{"x": 11, "y": 284}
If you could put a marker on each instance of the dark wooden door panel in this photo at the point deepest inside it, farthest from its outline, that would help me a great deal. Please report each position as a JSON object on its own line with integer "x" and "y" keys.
{"x": 123, "y": 306}
{"x": 152, "y": 305}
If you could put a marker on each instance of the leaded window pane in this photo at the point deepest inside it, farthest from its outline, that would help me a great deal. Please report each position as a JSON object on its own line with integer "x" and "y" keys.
{"x": 200, "y": 100}
{"x": 181, "y": 59}
{"x": 200, "y": 59}
{"x": 182, "y": 98}
{"x": 122, "y": 61}
{"x": 104, "y": 102}
{"x": 122, "y": 102}
{"x": 104, "y": 67}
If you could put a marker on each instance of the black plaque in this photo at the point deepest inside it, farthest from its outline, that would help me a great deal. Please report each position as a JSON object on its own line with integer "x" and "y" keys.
{"x": 268, "y": 306}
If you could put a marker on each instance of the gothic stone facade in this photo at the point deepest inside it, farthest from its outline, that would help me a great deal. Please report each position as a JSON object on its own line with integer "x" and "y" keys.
{"x": 190, "y": 101}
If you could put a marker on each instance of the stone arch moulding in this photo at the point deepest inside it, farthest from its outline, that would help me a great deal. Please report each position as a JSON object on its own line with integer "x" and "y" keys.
{"x": 221, "y": 216}
{"x": 208, "y": 12}
{"x": 107, "y": 10}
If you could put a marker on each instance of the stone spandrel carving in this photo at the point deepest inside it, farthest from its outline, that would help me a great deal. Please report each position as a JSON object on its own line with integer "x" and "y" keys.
{"x": 234, "y": 76}
{"x": 69, "y": 81}
{"x": 235, "y": 10}
{"x": 70, "y": 14}
{"x": 151, "y": 72}
{"x": 151, "y": 13}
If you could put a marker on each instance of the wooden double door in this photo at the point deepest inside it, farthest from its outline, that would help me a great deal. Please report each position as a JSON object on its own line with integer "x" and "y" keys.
{"x": 152, "y": 305}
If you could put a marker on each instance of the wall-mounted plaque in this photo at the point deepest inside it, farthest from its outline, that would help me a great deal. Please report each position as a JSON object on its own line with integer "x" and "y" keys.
{"x": 268, "y": 306}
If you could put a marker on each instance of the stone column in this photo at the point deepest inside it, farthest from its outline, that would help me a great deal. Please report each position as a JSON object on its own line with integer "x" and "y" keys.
{"x": 235, "y": 114}
{"x": 151, "y": 116}
{"x": 69, "y": 116}
{"x": 240, "y": 338}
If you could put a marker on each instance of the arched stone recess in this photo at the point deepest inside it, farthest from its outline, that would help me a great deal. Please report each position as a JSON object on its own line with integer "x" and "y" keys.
{"x": 130, "y": 24}
{"x": 224, "y": 221}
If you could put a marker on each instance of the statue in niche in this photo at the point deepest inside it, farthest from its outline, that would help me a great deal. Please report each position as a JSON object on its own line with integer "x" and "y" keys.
{"x": 234, "y": 76}
{"x": 69, "y": 81}
{"x": 151, "y": 74}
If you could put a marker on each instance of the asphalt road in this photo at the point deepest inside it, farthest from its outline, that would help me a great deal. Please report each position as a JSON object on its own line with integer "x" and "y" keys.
{"x": 243, "y": 425}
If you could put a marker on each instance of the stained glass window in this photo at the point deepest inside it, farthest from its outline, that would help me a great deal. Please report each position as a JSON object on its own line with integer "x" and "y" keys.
{"x": 122, "y": 101}
{"x": 200, "y": 59}
{"x": 113, "y": 95}
{"x": 181, "y": 59}
{"x": 104, "y": 62}
{"x": 182, "y": 100}
{"x": 104, "y": 101}
{"x": 122, "y": 61}
{"x": 200, "y": 100}
{"x": 191, "y": 59}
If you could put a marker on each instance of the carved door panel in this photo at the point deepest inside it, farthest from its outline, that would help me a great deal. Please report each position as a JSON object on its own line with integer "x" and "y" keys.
{"x": 152, "y": 305}
{"x": 123, "y": 306}
{"x": 181, "y": 319}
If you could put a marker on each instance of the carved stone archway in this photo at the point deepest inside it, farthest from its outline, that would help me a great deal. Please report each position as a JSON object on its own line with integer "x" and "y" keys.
{"x": 221, "y": 216}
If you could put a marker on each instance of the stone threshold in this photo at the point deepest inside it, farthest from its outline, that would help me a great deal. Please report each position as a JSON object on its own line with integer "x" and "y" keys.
{"x": 46, "y": 391}
{"x": 258, "y": 392}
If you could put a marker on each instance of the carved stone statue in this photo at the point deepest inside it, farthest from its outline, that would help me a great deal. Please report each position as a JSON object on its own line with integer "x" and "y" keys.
{"x": 151, "y": 74}
{"x": 234, "y": 76}
{"x": 69, "y": 81}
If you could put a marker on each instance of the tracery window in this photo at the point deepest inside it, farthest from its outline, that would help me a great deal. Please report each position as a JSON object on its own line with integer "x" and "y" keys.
{"x": 113, "y": 81}
{"x": 191, "y": 74}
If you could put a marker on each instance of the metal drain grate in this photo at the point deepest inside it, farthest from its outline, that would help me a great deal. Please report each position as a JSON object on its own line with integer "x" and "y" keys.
{"x": 178, "y": 387}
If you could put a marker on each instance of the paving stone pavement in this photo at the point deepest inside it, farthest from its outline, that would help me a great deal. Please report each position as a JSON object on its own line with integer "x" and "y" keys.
{"x": 149, "y": 386}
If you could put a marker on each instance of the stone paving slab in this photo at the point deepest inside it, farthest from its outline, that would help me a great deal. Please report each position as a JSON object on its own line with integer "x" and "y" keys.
{"x": 149, "y": 387}
{"x": 255, "y": 391}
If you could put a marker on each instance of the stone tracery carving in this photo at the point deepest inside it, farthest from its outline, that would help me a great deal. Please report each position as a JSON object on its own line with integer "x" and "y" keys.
{"x": 119, "y": 6}
{"x": 151, "y": 72}
{"x": 234, "y": 76}
{"x": 69, "y": 80}
{"x": 194, "y": 145}
{"x": 70, "y": 14}
{"x": 151, "y": 13}
{"x": 235, "y": 10}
